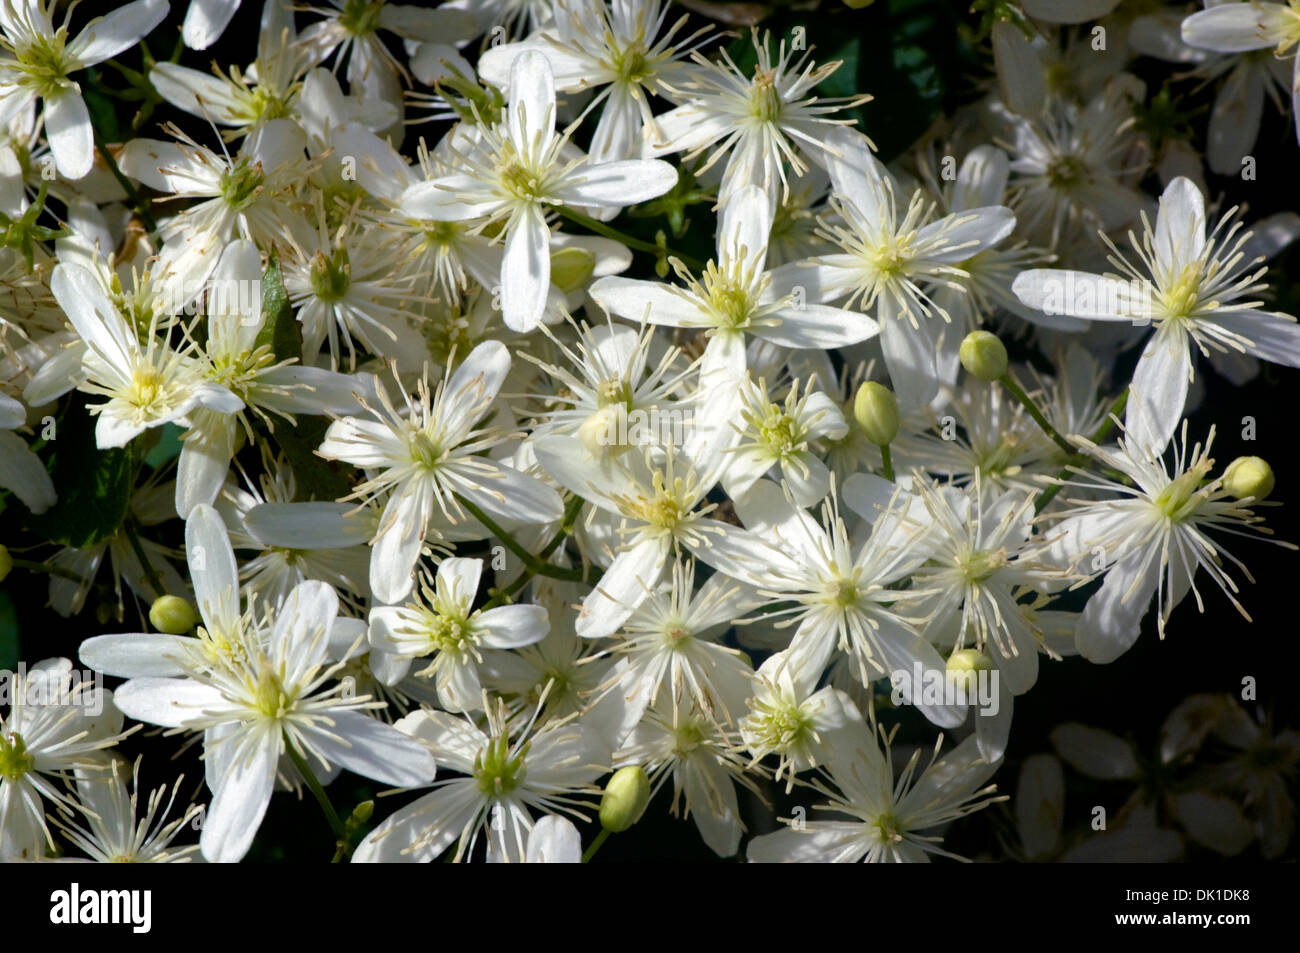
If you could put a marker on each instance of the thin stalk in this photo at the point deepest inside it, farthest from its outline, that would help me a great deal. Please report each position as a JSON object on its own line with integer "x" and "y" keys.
{"x": 600, "y": 228}
{"x": 1018, "y": 392}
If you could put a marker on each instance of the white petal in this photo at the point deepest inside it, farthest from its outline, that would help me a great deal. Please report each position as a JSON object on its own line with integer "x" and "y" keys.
{"x": 205, "y": 21}
{"x": 1180, "y": 226}
{"x": 511, "y": 627}
{"x": 1159, "y": 391}
{"x": 117, "y": 32}
{"x": 623, "y": 587}
{"x": 136, "y": 654}
{"x": 526, "y": 271}
{"x": 170, "y": 702}
{"x": 1228, "y": 28}
{"x": 72, "y": 140}
{"x": 212, "y": 569}
{"x": 373, "y": 749}
{"x": 22, "y": 473}
{"x": 616, "y": 184}
{"x": 240, "y": 801}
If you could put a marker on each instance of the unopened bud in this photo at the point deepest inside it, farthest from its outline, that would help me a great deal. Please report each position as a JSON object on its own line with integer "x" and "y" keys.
{"x": 964, "y": 665}
{"x": 172, "y": 614}
{"x": 1249, "y": 476}
{"x": 983, "y": 355}
{"x": 626, "y": 796}
{"x": 571, "y": 268}
{"x": 876, "y": 410}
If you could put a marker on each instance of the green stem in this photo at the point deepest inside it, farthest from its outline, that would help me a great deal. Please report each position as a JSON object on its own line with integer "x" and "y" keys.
{"x": 535, "y": 566}
{"x": 600, "y": 228}
{"x": 138, "y": 204}
{"x": 1076, "y": 458}
{"x": 887, "y": 463}
{"x": 48, "y": 569}
{"x": 538, "y": 567}
{"x": 590, "y": 852}
{"x": 309, "y": 778}
{"x": 1018, "y": 392}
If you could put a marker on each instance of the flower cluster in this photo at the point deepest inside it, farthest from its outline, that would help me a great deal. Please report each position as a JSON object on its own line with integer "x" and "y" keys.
{"x": 531, "y": 406}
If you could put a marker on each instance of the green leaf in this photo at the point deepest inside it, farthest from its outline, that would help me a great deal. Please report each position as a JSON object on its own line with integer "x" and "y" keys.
{"x": 168, "y": 446}
{"x": 10, "y": 649}
{"x": 316, "y": 477}
{"x": 94, "y": 486}
{"x": 280, "y": 328}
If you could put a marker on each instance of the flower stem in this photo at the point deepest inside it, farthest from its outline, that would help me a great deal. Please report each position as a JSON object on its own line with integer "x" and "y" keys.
{"x": 309, "y": 778}
{"x": 152, "y": 575}
{"x": 887, "y": 463}
{"x": 590, "y": 852}
{"x": 1077, "y": 458}
{"x": 138, "y": 204}
{"x": 48, "y": 569}
{"x": 600, "y": 228}
{"x": 1018, "y": 392}
{"x": 534, "y": 565}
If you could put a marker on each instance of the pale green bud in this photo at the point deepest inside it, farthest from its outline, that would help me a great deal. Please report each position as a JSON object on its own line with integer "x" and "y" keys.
{"x": 983, "y": 355}
{"x": 625, "y": 798}
{"x": 876, "y": 410}
{"x": 1249, "y": 476}
{"x": 173, "y": 615}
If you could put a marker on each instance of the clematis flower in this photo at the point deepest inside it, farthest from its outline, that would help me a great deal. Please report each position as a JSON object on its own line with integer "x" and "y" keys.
{"x": 426, "y": 454}
{"x": 519, "y": 168}
{"x": 37, "y": 60}
{"x": 1196, "y": 289}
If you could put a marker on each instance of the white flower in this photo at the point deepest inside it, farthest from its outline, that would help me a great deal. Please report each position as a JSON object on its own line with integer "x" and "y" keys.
{"x": 622, "y": 46}
{"x": 786, "y": 435}
{"x": 655, "y": 506}
{"x": 1153, "y": 535}
{"x": 37, "y": 60}
{"x": 673, "y": 653}
{"x": 236, "y": 361}
{"x": 441, "y": 623}
{"x": 734, "y": 297}
{"x": 56, "y": 724}
{"x": 273, "y": 693}
{"x": 247, "y": 196}
{"x": 146, "y": 385}
{"x": 759, "y": 122}
{"x": 892, "y": 258}
{"x": 1241, "y": 27}
{"x": 113, "y": 834}
{"x": 427, "y": 456}
{"x": 505, "y": 781}
{"x": 1191, "y": 287}
{"x": 839, "y": 586}
{"x": 889, "y": 817}
{"x": 793, "y": 719}
{"x": 702, "y": 758}
{"x": 517, "y": 169}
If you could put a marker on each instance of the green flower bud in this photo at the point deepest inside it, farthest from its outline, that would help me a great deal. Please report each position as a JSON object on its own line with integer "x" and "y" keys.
{"x": 6, "y": 563}
{"x": 173, "y": 615}
{"x": 983, "y": 355}
{"x": 965, "y": 665}
{"x": 571, "y": 268}
{"x": 876, "y": 409}
{"x": 1249, "y": 476}
{"x": 626, "y": 796}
